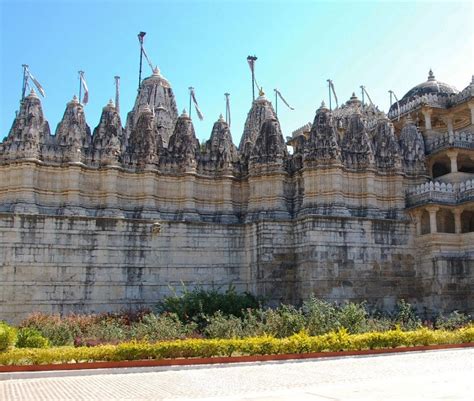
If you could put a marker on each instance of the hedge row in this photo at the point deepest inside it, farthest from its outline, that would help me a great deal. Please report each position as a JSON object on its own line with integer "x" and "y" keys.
{"x": 191, "y": 348}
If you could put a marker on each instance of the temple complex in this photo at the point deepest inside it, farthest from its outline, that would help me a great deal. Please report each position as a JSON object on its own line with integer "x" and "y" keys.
{"x": 368, "y": 206}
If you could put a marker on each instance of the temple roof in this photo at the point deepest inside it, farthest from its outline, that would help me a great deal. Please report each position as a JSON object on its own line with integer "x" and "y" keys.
{"x": 431, "y": 86}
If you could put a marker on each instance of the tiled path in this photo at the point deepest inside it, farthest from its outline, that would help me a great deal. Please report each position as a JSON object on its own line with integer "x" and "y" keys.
{"x": 430, "y": 375}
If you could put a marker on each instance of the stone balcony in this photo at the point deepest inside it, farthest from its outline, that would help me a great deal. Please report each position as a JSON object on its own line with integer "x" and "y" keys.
{"x": 460, "y": 140}
{"x": 440, "y": 193}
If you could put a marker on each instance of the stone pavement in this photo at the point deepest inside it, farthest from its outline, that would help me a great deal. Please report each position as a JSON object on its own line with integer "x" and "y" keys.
{"x": 429, "y": 375}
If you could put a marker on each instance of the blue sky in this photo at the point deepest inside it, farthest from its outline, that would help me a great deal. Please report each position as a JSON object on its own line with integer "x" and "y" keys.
{"x": 299, "y": 44}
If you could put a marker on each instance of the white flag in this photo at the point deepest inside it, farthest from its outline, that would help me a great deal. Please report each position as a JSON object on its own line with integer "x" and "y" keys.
{"x": 196, "y": 106}
{"x": 85, "y": 98}
{"x": 284, "y": 101}
{"x": 37, "y": 84}
{"x": 334, "y": 93}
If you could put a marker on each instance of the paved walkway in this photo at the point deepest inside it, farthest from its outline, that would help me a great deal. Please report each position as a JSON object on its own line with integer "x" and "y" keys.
{"x": 430, "y": 375}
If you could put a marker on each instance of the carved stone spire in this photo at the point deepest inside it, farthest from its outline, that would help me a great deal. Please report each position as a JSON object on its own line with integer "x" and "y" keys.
{"x": 270, "y": 145}
{"x": 183, "y": 146}
{"x": 323, "y": 146}
{"x": 412, "y": 148}
{"x": 73, "y": 133}
{"x": 261, "y": 110}
{"x": 145, "y": 142}
{"x": 155, "y": 91}
{"x": 107, "y": 138}
{"x": 357, "y": 152}
{"x": 29, "y": 131}
{"x": 387, "y": 151}
{"x": 221, "y": 152}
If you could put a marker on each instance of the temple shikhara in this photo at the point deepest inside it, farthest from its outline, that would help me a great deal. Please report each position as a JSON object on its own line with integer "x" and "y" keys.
{"x": 367, "y": 206}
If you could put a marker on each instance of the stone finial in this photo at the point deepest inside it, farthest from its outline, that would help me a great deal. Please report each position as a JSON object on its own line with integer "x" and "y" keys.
{"x": 221, "y": 118}
{"x": 74, "y": 100}
{"x": 431, "y": 76}
{"x": 33, "y": 94}
{"x": 323, "y": 105}
{"x": 156, "y": 71}
{"x": 184, "y": 114}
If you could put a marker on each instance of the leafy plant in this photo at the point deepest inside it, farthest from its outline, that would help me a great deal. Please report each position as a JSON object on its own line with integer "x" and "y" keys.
{"x": 31, "y": 338}
{"x": 454, "y": 320}
{"x": 7, "y": 336}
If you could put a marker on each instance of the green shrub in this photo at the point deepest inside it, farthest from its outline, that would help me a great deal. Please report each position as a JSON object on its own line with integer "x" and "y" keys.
{"x": 353, "y": 317}
{"x": 198, "y": 303}
{"x": 454, "y": 320}
{"x": 31, "y": 338}
{"x": 284, "y": 321}
{"x": 7, "y": 336}
{"x": 406, "y": 316}
{"x": 153, "y": 327}
{"x": 221, "y": 326}
{"x": 321, "y": 316}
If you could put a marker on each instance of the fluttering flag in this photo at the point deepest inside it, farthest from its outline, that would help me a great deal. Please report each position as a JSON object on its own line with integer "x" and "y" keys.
{"x": 334, "y": 92}
{"x": 147, "y": 59}
{"x": 251, "y": 61}
{"x": 37, "y": 84}
{"x": 284, "y": 101}
{"x": 85, "y": 98}
{"x": 196, "y": 106}
{"x": 398, "y": 104}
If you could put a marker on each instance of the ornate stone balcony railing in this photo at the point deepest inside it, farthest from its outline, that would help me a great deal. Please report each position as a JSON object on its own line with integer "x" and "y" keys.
{"x": 464, "y": 140}
{"x": 440, "y": 192}
{"x": 428, "y": 100}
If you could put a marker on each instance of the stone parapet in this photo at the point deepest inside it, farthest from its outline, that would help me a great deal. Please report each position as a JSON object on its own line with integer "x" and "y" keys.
{"x": 462, "y": 140}
{"x": 440, "y": 192}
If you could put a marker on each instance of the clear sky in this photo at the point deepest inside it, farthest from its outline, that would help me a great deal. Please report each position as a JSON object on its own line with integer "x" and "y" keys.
{"x": 299, "y": 44}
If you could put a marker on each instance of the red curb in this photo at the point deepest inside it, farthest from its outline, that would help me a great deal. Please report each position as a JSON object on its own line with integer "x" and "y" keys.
{"x": 222, "y": 359}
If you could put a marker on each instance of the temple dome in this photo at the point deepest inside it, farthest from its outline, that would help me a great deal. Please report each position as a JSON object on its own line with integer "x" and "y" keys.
{"x": 431, "y": 86}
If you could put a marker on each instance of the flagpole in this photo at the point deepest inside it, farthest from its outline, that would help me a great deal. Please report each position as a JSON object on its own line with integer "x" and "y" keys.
{"x": 362, "y": 90}
{"x": 329, "y": 85}
{"x": 80, "y": 85}
{"x": 117, "y": 93}
{"x": 141, "y": 35}
{"x": 227, "y": 111}
{"x": 25, "y": 79}
{"x": 276, "y": 102}
{"x": 252, "y": 59}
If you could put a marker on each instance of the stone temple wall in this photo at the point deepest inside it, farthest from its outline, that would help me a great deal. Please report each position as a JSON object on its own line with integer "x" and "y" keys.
{"x": 119, "y": 218}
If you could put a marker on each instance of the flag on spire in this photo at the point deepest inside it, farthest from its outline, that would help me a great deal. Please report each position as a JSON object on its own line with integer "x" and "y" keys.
{"x": 196, "y": 106}
{"x": 85, "y": 98}
{"x": 227, "y": 108}
{"x": 37, "y": 84}
{"x": 284, "y": 101}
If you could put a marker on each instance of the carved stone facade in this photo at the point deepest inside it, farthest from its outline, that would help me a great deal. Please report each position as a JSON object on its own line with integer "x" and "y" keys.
{"x": 364, "y": 208}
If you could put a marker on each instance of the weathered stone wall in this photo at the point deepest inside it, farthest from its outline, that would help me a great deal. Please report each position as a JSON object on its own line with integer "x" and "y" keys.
{"x": 64, "y": 264}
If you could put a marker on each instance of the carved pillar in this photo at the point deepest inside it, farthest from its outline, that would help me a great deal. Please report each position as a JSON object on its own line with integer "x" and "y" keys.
{"x": 453, "y": 157}
{"x": 457, "y": 220}
{"x": 448, "y": 120}
{"x": 417, "y": 215}
{"x": 471, "y": 107}
{"x": 432, "y": 210}
{"x": 427, "y": 114}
